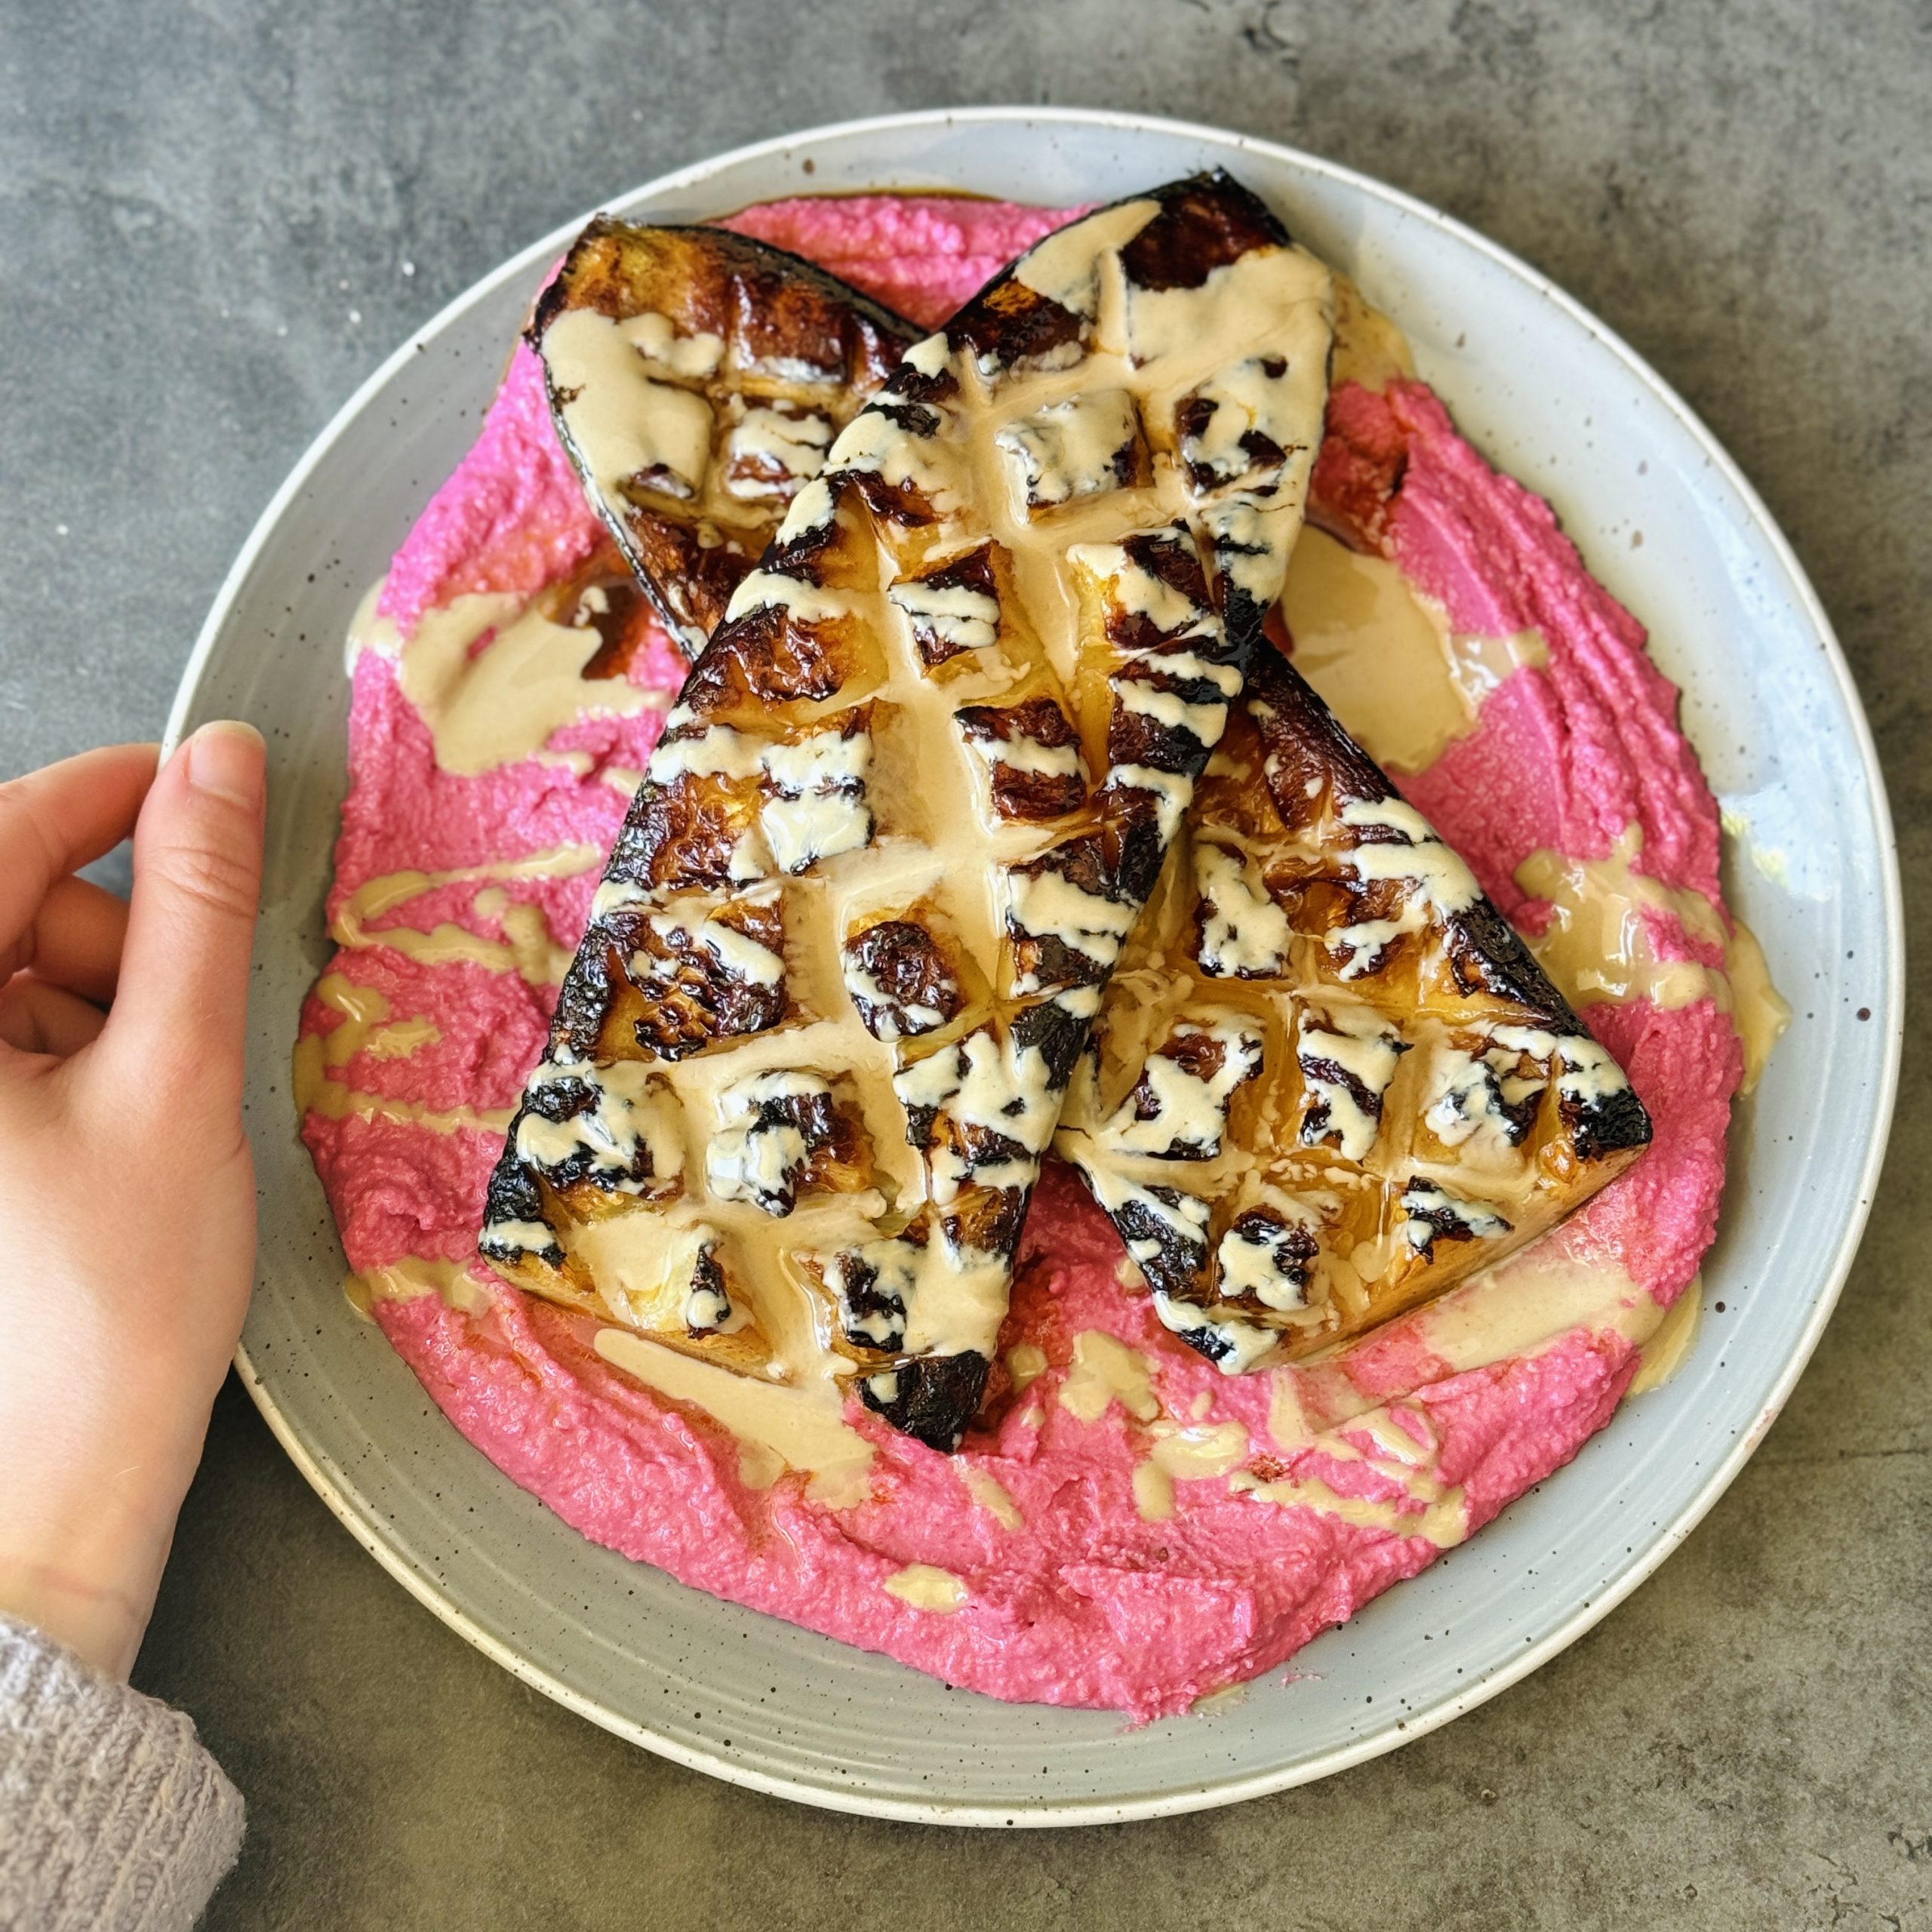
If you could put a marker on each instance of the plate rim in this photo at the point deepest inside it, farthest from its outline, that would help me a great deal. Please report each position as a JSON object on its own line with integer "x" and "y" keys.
{"x": 1020, "y": 1812}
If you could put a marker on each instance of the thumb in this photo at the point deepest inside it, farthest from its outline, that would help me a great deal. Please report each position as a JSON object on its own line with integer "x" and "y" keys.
{"x": 174, "y": 1035}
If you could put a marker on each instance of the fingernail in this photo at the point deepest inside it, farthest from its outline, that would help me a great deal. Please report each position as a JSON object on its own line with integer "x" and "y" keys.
{"x": 227, "y": 760}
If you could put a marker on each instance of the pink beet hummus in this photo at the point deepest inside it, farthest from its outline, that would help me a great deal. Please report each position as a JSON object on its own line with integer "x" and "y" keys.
{"x": 1066, "y": 1587}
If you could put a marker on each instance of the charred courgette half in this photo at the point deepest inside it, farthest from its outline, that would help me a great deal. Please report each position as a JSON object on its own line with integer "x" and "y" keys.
{"x": 698, "y": 379}
{"x": 1329, "y": 1080}
{"x": 908, "y": 807}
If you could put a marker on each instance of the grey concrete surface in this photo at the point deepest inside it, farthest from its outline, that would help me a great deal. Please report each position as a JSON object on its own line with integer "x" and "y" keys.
{"x": 215, "y": 217}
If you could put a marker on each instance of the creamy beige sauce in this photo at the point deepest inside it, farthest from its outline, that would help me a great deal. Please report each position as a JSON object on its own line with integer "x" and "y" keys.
{"x": 1383, "y": 657}
{"x": 1026, "y": 1362}
{"x": 1064, "y": 267}
{"x": 1757, "y": 1010}
{"x": 627, "y": 412}
{"x": 1525, "y": 1303}
{"x": 1105, "y": 1370}
{"x": 1370, "y": 349}
{"x": 803, "y": 1427}
{"x": 316, "y": 1089}
{"x": 1405, "y": 1451}
{"x": 659, "y": 413}
{"x": 1384, "y": 660}
{"x": 926, "y": 1586}
{"x": 398, "y": 1041}
{"x": 1518, "y": 1309}
{"x": 987, "y": 1491}
{"x": 492, "y": 705}
{"x": 1596, "y": 945}
{"x": 526, "y": 948}
{"x": 1428, "y": 1509}
{"x": 415, "y": 1276}
{"x": 759, "y": 1465}
{"x": 1198, "y": 1451}
{"x": 1670, "y": 1346}
{"x": 1153, "y": 1493}
{"x": 1229, "y": 1696}
{"x": 362, "y": 1008}
{"x": 1288, "y": 1425}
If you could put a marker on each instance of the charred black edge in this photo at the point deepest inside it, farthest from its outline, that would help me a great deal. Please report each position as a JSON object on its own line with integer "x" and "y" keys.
{"x": 740, "y": 251}
{"x": 1443, "y": 1223}
{"x": 1615, "y": 1125}
{"x": 1206, "y": 1341}
{"x": 984, "y": 322}
{"x": 1274, "y": 680}
{"x": 1177, "y": 1268}
{"x": 736, "y": 252}
{"x": 1485, "y": 944}
{"x": 1058, "y": 1036}
{"x": 512, "y": 1195}
{"x": 1215, "y": 219}
{"x": 1504, "y": 965}
{"x": 1177, "y": 1265}
{"x": 936, "y": 1397}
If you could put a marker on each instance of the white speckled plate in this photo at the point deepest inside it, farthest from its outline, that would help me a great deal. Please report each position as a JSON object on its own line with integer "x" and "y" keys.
{"x": 1555, "y": 399}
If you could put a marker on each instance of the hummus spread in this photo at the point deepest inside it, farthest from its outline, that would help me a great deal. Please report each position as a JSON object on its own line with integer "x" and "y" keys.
{"x": 1128, "y": 1528}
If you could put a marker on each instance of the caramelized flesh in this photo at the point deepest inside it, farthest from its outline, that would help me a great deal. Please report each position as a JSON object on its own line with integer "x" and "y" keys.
{"x": 1329, "y": 1080}
{"x": 698, "y": 379}
{"x": 909, "y": 803}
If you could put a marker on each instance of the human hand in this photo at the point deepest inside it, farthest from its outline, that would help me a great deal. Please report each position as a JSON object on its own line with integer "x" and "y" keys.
{"x": 126, "y": 1188}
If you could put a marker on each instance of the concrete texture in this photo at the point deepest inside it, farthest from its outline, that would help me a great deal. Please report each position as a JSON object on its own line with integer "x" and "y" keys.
{"x": 216, "y": 217}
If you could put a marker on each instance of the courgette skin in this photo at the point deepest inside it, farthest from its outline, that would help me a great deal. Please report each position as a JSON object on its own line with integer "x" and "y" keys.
{"x": 793, "y": 337}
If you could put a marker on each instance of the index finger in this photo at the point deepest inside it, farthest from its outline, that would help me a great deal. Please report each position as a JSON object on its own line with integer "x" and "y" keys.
{"x": 61, "y": 817}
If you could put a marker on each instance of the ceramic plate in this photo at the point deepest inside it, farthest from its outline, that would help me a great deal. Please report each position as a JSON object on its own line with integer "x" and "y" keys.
{"x": 1555, "y": 399}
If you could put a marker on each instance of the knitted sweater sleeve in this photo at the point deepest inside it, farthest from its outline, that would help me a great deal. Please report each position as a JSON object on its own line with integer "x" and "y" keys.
{"x": 112, "y": 1815}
